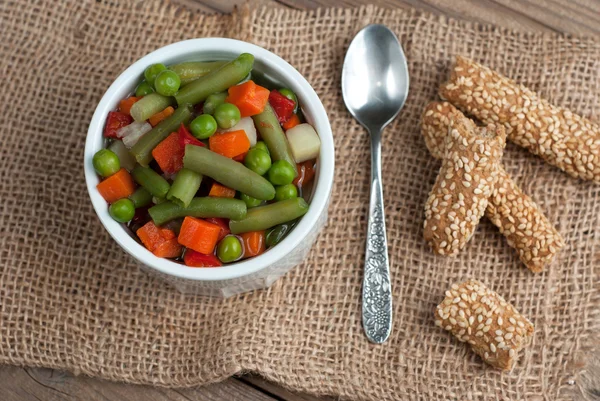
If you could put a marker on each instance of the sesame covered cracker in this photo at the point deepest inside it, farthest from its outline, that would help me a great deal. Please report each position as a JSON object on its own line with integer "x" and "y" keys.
{"x": 466, "y": 180}
{"x": 559, "y": 136}
{"x": 518, "y": 217}
{"x": 477, "y": 315}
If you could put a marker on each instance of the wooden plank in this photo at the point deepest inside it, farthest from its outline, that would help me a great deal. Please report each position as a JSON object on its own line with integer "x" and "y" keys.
{"x": 278, "y": 391}
{"x": 29, "y": 384}
{"x": 581, "y": 17}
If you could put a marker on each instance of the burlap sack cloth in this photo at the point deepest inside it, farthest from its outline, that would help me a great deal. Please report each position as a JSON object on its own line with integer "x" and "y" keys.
{"x": 71, "y": 299}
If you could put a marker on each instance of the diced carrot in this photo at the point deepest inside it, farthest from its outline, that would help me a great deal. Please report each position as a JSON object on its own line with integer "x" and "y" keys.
{"x": 197, "y": 259}
{"x": 254, "y": 243}
{"x": 150, "y": 235}
{"x": 166, "y": 233}
{"x": 117, "y": 186}
{"x": 223, "y": 223}
{"x": 160, "y": 241}
{"x": 250, "y": 98}
{"x": 229, "y": 144}
{"x": 161, "y": 115}
{"x": 240, "y": 158}
{"x": 125, "y": 104}
{"x": 153, "y": 236}
{"x": 306, "y": 172}
{"x": 199, "y": 235}
{"x": 169, "y": 154}
{"x": 221, "y": 191}
{"x": 292, "y": 122}
{"x": 168, "y": 249}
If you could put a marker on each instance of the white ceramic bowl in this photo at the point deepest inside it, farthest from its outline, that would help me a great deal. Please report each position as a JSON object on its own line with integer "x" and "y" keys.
{"x": 254, "y": 273}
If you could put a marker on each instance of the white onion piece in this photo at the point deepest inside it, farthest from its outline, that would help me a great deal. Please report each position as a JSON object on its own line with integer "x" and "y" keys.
{"x": 132, "y": 132}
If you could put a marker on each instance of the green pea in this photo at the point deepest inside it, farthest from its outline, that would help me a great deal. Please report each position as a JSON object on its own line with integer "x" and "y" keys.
{"x": 258, "y": 161}
{"x": 143, "y": 89}
{"x": 281, "y": 173}
{"x": 152, "y": 71}
{"x": 284, "y": 192}
{"x": 250, "y": 201}
{"x": 106, "y": 162}
{"x": 203, "y": 126}
{"x": 290, "y": 95}
{"x": 229, "y": 249}
{"x": 122, "y": 210}
{"x": 227, "y": 115}
{"x": 167, "y": 83}
{"x": 263, "y": 146}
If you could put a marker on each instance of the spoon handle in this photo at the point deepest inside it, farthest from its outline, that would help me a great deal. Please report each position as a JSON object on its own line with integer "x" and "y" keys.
{"x": 377, "y": 289}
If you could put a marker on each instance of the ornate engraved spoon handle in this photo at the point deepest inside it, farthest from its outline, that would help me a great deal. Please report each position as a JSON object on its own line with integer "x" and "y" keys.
{"x": 377, "y": 289}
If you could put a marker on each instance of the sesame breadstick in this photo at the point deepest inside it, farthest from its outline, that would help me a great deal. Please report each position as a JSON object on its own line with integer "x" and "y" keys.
{"x": 477, "y": 315}
{"x": 559, "y": 136}
{"x": 466, "y": 180}
{"x": 518, "y": 217}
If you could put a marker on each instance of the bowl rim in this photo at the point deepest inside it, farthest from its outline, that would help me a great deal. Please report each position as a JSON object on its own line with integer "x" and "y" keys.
{"x": 315, "y": 113}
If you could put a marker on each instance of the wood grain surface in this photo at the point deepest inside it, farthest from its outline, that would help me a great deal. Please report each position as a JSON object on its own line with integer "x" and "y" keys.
{"x": 580, "y": 17}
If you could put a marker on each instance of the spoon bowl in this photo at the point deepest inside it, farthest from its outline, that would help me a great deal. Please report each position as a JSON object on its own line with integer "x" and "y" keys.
{"x": 375, "y": 77}
{"x": 375, "y": 87}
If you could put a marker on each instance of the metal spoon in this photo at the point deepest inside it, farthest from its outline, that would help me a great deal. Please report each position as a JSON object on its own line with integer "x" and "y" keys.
{"x": 374, "y": 87}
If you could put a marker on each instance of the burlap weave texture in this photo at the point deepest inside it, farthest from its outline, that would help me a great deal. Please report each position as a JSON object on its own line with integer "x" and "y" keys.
{"x": 71, "y": 299}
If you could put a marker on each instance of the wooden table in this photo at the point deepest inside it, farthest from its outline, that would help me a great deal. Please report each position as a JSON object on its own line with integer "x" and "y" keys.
{"x": 581, "y": 17}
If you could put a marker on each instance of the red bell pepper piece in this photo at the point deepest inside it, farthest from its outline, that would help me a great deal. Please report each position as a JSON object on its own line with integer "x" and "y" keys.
{"x": 115, "y": 121}
{"x": 283, "y": 107}
{"x": 223, "y": 223}
{"x": 306, "y": 172}
{"x": 186, "y": 138}
{"x": 197, "y": 259}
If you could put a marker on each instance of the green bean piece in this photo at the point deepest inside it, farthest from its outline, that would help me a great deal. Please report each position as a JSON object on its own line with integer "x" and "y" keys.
{"x": 192, "y": 70}
{"x": 184, "y": 187}
{"x": 250, "y": 201}
{"x": 265, "y": 217}
{"x": 204, "y": 207}
{"x": 127, "y": 161}
{"x": 278, "y": 233}
{"x": 141, "y": 197}
{"x": 157, "y": 201}
{"x": 216, "y": 81}
{"x": 227, "y": 172}
{"x": 151, "y": 180}
{"x": 149, "y": 105}
{"x": 142, "y": 150}
{"x": 213, "y": 101}
{"x": 272, "y": 134}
